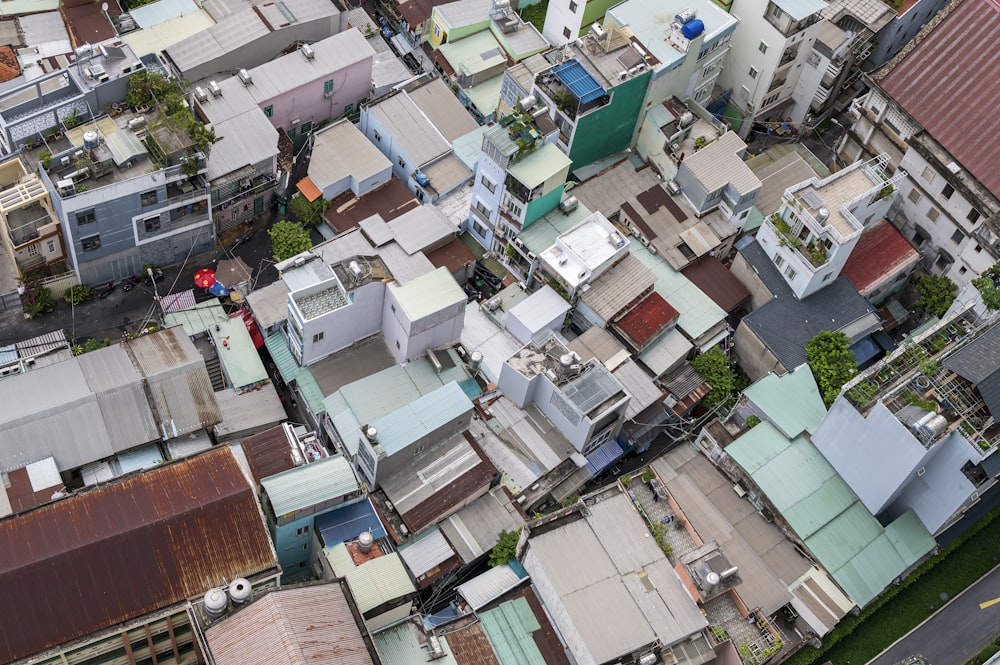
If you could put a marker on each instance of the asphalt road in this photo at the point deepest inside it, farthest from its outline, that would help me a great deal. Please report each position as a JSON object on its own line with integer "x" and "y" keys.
{"x": 957, "y": 632}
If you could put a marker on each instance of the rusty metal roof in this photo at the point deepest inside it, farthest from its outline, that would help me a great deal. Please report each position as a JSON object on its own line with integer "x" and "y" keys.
{"x": 268, "y": 453}
{"x": 115, "y": 553}
{"x": 949, "y": 84}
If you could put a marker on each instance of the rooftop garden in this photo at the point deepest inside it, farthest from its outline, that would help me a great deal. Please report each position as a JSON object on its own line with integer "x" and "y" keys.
{"x": 813, "y": 251}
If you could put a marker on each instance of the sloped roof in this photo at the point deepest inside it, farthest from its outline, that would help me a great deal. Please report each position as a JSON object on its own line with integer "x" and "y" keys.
{"x": 618, "y": 286}
{"x": 268, "y": 453}
{"x": 311, "y": 484}
{"x": 177, "y": 530}
{"x": 647, "y": 319}
{"x": 310, "y": 625}
{"x": 979, "y": 362}
{"x": 881, "y": 253}
{"x": 716, "y": 282}
{"x": 948, "y": 69}
{"x": 791, "y": 402}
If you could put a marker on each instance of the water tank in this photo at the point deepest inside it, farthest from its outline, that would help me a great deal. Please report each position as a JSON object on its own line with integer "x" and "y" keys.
{"x": 422, "y": 179}
{"x": 686, "y": 119}
{"x": 686, "y": 16}
{"x": 728, "y": 572}
{"x": 475, "y": 361}
{"x": 240, "y": 591}
{"x": 648, "y": 659}
{"x": 693, "y": 28}
{"x": 568, "y": 205}
{"x": 297, "y": 457}
{"x": 935, "y": 426}
{"x": 90, "y": 140}
{"x": 357, "y": 272}
{"x": 216, "y": 602}
{"x": 712, "y": 579}
{"x": 823, "y": 215}
{"x": 365, "y": 541}
{"x": 371, "y": 433}
{"x": 137, "y": 122}
{"x": 527, "y": 103}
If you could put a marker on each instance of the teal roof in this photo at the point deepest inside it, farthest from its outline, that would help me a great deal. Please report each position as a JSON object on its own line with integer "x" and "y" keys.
{"x": 509, "y": 629}
{"x": 468, "y": 147}
{"x": 753, "y": 221}
{"x": 421, "y": 417}
{"x": 844, "y": 537}
{"x": 291, "y": 372}
{"x": 791, "y": 402}
{"x": 399, "y": 645}
{"x": 539, "y": 165}
{"x": 473, "y": 54}
{"x": 233, "y": 344}
{"x": 542, "y": 233}
{"x": 310, "y": 484}
{"x": 485, "y": 96}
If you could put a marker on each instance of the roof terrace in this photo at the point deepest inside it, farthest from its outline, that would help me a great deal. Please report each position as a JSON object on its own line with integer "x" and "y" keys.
{"x": 323, "y": 298}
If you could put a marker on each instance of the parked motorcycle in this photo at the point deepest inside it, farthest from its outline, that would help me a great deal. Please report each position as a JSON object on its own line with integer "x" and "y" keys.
{"x": 130, "y": 283}
{"x": 106, "y": 290}
{"x": 239, "y": 241}
{"x": 157, "y": 274}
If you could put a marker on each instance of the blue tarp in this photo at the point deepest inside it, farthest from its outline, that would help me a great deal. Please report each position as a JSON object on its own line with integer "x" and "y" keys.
{"x": 604, "y": 456}
{"x": 579, "y": 81}
{"x": 348, "y": 522}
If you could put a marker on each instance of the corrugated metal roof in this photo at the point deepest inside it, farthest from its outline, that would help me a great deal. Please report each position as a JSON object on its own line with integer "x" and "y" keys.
{"x": 947, "y": 70}
{"x": 510, "y": 629}
{"x": 880, "y": 255}
{"x": 248, "y": 412}
{"x": 646, "y": 320}
{"x": 484, "y": 588}
{"x": 801, "y": 9}
{"x": 310, "y": 484}
{"x": 410, "y": 129}
{"x": 268, "y": 453}
{"x": 347, "y": 522}
{"x": 341, "y": 151}
{"x": 638, "y": 385}
{"x": 376, "y": 581}
{"x": 420, "y": 229}
{"x": 719, "y": 164}
{"x": 269, "y": 304}
{"x": 302, "y": 626}
{"x": 177, "y": 530}
{"x": 619, "y": 286}
{"x": 791, "y": 402}
{"x": 120, "y": 396}
{"x": 400, "y": 645}
{"x": 246, "y": 140}
{"x": 715, "y": 280}
{"x": 666, "y": 352}
{"x": 426, "y": 553}
{"x": 474, "y": 530}
{"x": 399, "y": 429}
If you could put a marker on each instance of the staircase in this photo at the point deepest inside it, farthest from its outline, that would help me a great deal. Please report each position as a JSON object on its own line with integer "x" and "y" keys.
{"x": 215, "y": 373}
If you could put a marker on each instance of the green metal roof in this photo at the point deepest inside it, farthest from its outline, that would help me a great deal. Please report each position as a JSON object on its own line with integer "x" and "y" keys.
{"x": 468, "y": 147}
{"x": 379, "y": 580}
{"x": 421, "y": 417}
{"x": 473, "y": 54}
{"x": 753, "y": 221}
{"x": 308, "y": 485}
{"x": 485, "y": 96}
{"x": 290, "y": 371}
{"x": 310, "y": 390}
{"x": 791, "y": 402}
{"x": 539, "y": 165}
{"x": 399, "y": 646}
{"x": 233, "y": 343}
{"x": 509, "y": 629}
{"x": 845, "y": 538}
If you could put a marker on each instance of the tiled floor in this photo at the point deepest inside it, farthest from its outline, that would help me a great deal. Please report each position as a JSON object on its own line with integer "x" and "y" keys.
{"x": 658, "y": 511}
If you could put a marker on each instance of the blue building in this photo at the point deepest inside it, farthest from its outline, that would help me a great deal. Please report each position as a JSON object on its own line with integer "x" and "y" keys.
{"x": 293, "y": 499}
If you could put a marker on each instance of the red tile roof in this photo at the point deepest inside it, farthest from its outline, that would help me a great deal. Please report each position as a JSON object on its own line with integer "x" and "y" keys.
{"x": 949, "y": 83}
{"x": 716, "y": 282}
{"x": 415, "y": 12}
{"x": 454, "y": 256}
{"x": 9, "y": 69}
{"x": 880, "y": 255}
{"x": 92, "y": 561}
{"x": 646, "y": 320}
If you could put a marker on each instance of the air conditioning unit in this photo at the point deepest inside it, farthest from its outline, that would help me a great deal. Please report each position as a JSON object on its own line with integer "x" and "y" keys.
{"x": 200, "y": 94}
{"x": 64, "y": 161}
{"x": 214, "y": 88}
{"x": 245, "y": 77}
{"x": 295, "y": 123}
{"x": 307, "y": 52}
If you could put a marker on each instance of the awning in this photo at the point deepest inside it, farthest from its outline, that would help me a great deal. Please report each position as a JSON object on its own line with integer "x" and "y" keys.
{"x": 604, "y": 456}
{"x": 175, "y": 302}
{"x": 401, "y": 43}
{"x": 309, "y": 189}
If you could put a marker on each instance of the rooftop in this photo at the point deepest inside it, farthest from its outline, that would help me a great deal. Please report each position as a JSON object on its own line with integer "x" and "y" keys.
{"x": 933, "y": 72}
{"x": 199, "y": 500}
{"x": 347, "y": 210}
{"x": 317, "y": 303}
{"x": 578, "y": 563}
{"x": 341, "y": 151}
{"x": 801, "y": 9}
{"x": 474, "y": 54}
{"x": 303, "y": 487}
{"x": 838, "y": 192}
{"x": 720, "y": 164}
{"x": 309, "y": 625}
{"x": 777, "y": 172}
{"x": 413, "y": 132}
{"x": 647, "y": 320}
{"x": 442, "y": 108}
{"x": 422, "y": 417}
{"x": 715, "y": 281}
{"x": 585, "y": 251}
{"x": 374, "y": 583}
{"x": 539, "y": 165}
{"x": 882, "y": 253}
{"x": 606, "y": 192}
{"x": 428, "y": 294}
{"x": 474, "y": 529}
{"x": 649, "y": 21}
{"x": 791, "y": 402}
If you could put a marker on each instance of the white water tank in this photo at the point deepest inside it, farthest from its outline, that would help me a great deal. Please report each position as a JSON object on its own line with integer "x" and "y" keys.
{"x": 712, "y": 579}
{"x": 365, "y": 541}
{"x": 216, "y": 602}
{"x": 475, "y": 361}
{"x": 90, "y": 140}
{"x": 371, "y": 433}
{"x": 240, "y": 591}
{"x": 823, "y": 215}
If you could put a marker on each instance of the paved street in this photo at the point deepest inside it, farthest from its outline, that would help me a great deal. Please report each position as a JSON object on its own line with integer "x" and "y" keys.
{"x": 956, "y": 633}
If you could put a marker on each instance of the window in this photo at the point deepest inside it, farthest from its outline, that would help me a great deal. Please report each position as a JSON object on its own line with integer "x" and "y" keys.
{"x": 378, "y": 137}
{"x": 86, "y": 217}
{"x": 149, "y": 198}
{"x": 572, "y": 6}
{"x": 291, "y": 132}
{"x": 90, "y": 243}
{"x": 790, "y": 273}
{"x": 417, "y": 450}
{"x": 947, "y": 191}
{"x": 933, "y": 214}
{"x": 753, "y": 72}
{"x": 914, "y": 196}
{"x": 488, "y": 185}
{"x": 978, "y": 249}
{"x": 152, "y": 224}
{"x": 305, "y": 128}
{"x": 827, "y": 276}
{"x": 350, "y": 107}
{"x": 963, "y": 270}
{"x": 52, "y": 246}
{"x": 483, "y": 208}
{"x": 402, "y": 163}
{"x": 328, "y": 88}
{"x": 268, "y": 111}
{"x": 317, "y": 337}
{"x": 32, "y": 250}
{"x": 302, "y": 530}
{"x": 779, "y": 260}
{"x": 397, "y": 344}
{"x": 479, "y": 229}
{"x": 928, "y": 174}
{"x": 973, "y": 216}
{"x": 762, "y": 47}
{"x": 957, "y": 236}
{"x": 566, "y": 33}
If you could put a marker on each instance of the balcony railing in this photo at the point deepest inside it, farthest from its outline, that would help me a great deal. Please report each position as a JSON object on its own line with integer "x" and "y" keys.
{"x": 255, "y": 189}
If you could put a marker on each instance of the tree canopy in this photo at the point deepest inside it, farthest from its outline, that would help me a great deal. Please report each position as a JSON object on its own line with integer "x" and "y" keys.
{"x": 307, "y": 213}
{"x": 288, "y": 239}
{"x": 989, "y": 286}
{"x": 713, "y": 365}
{"x": 505, "y": 549}
{"x": 831, "y": 362}
{"x": 935, "y": 293}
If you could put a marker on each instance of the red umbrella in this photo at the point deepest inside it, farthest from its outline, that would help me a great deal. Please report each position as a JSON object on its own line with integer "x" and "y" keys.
{"x": 204, "y": 278}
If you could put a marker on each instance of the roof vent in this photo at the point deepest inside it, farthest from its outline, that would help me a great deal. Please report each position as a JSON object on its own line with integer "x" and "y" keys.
{"x": 245, "y": 77}
{"x": 307, "y": 51}
{"x": 214, "y": 88}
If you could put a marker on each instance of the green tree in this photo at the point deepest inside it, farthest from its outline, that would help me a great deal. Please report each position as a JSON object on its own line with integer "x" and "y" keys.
{"x": 987, "y": 283}
{"x": 505, "y": 549}
{"x": 935, "y": 293}
{"x": 77, "y": 294}
{"x": 831, "y": 362}
{"x": 307, "y": 213}
{"x": 288, "y": 239}
{"x": 713, "y": 365}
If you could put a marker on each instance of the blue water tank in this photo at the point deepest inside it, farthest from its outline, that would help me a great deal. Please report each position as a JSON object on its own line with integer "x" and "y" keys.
{"x": 422, "y": 180}
{"x": 693, "y": 28}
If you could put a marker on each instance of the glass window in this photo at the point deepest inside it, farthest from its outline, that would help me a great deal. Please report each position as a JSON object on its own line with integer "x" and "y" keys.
{"x": 928, "y": 174}
{"x": 753, "y": 72}
{"x": 291, "y": 133}
{"x": 566, "y": 33}
{"x": 86, "y": 217}
{"x": 305, "y": 128}
{"x": 947, "y": 191}
{"x": 90, "y": 243}
{"x": 149, "y": 198}
{"x": 152, "y": 224}
{"x": 402, "y": 163}
{"x": 914, "y": 196}
{"x": 317, "y": 337}
{"x": 268, "y": 111}
{"x": 973, "y": 216}
{"x": 957, "y": 236}
{"x": 487, "y": 184}
{"x": 933, "y": 214}
{"x": 572, "y": 6}
{"x": 762, "y": 47}
{"x": 378, "y": 137}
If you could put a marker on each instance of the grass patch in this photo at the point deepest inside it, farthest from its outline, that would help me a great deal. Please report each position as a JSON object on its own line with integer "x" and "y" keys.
{"x": 902, "y": 608}
{"x": 535, "y": 14}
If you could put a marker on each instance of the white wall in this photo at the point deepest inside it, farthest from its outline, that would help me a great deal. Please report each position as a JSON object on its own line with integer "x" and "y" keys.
{"x": 558, "y": 17}
{"x": 342, "y": 327}
{"x": 409, "y": 339}
{"x": 496, "y": 175}
{"x": 387, "y": 145}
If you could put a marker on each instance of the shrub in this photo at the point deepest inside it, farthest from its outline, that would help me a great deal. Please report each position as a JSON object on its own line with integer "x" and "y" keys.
{"x": 626, "y": 480}
{"x": 713, "y": 366}
{"x": 751, "y": 422}
{"x": 505, "y": 549}
{"x": 831, "y": 362}
{"x": 648, "y": 475}
{"x": 77, "y": 294}
{"x": 289, "y": 239}
{"x": 935, "y": 293}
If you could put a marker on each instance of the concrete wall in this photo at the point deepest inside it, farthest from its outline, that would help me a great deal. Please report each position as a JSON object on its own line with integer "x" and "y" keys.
{"x": 900, "y": 30}
{"x": 309, "y": 104}
{"x": 362, "y": 318}
{"x": 755, "y": 359}
{"x": 743, "y": 271}
{"x": 409, "y": 339}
